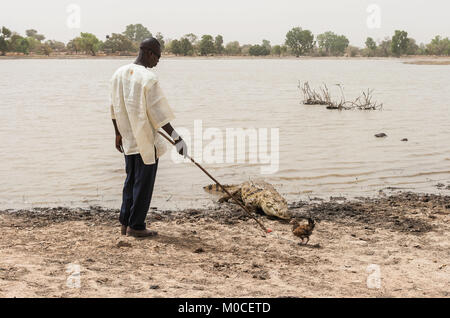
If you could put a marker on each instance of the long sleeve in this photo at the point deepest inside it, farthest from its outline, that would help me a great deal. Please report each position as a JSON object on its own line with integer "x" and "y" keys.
{"x": 158, "y": 109}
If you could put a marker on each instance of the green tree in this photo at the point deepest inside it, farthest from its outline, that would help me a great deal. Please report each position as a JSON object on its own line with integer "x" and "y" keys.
{"x": 266, "y": 44}
{"x": 207, "y": 45}
{"x": 34, "y": 34}
{"x": 332, "y": 43}
{"x": 186, "y": 47}
{"x": 324, "y": 41}
{"x": 191, "y": 37}
{"x": 31, "y": 33}
{"x": 371, "y": 47}
{"x": 46, "y": 48}
{"x": 24, "y": 46}
{"x": 218, "y": 44}
{"x": 137, "y": 32}
{"x": 34, "y": 44}
{"x": 384, "y": 48}
{"x": 4, "y": 45}
{"x": 57, "y": 46}
{"x": 340, "y": 45}
{"x": 89, "y": 43}
{"x": 446, "y": 45}
{"x": 233, "y": 48}
{"x": 119, "y": 43}
{"x": 174, "y": 47}
{"x": 422, "y": 49}
{"x": 259, "y": 50}
{"x": 412, "y": 48}
{"x": 370, "y": 44}
{"x": 276, "y": 50}
{"x": 6, "y": 32}
{"x": 300, "y": 41}
{"x": 399, "y": 43}
{"x": 194, "y": 41}
{"x": 74, "y": 45}
{"x": 19, "y": 44}
{"x": 438, "y": 46}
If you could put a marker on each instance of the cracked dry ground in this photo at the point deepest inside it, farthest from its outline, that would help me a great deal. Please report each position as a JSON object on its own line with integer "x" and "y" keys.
{"x": 404, "y": 239}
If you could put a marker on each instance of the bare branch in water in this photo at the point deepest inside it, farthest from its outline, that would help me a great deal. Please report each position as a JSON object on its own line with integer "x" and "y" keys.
{"x": 363, "y": 102}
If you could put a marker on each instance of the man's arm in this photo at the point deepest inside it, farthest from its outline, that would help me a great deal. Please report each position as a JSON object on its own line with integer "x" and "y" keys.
{"x": 118, "y": 137}
{"x": 179, "y": 142}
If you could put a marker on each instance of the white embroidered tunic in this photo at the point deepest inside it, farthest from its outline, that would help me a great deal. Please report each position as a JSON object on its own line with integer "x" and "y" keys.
{"x": 140, "y": 109}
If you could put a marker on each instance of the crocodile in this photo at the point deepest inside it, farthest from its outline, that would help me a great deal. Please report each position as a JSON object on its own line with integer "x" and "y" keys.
{"x": 258, "y": 196}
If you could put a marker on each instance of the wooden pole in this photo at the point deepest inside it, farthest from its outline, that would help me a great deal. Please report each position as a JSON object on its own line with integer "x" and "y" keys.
{"x": 223, "y": 188}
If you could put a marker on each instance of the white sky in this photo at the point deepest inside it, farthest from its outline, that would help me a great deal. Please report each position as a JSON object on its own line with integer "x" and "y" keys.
{"x": 247, "y": 21}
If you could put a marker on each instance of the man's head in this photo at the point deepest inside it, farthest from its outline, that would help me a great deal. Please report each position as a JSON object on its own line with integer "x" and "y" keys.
{"x": 150, "y": 52}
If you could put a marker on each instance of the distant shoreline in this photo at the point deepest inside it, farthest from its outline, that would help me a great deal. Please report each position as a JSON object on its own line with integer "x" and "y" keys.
{"x": 416, "y": 60}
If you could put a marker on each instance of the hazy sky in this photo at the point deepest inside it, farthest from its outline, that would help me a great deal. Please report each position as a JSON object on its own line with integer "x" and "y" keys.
{"x": 247, "y": 21}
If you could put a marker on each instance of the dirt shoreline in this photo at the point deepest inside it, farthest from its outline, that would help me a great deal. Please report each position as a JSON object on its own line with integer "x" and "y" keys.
{"x": 221, "y": 252}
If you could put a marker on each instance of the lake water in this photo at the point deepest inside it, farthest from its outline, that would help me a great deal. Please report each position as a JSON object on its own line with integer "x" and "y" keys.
{"x": 57, "y": 139}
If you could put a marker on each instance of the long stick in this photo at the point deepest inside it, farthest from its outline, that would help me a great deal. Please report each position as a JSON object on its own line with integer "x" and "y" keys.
{"x": 223, "y": 188}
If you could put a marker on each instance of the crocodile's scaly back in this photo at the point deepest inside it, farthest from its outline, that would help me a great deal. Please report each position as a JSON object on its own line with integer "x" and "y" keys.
{"x": 264, "y": 196}
{"x": 260, "y": 195}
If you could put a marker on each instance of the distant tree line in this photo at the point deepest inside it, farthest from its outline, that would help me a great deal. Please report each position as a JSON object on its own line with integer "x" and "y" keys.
{"x": 32, "y": 42}
{"x": 298, "y": 42}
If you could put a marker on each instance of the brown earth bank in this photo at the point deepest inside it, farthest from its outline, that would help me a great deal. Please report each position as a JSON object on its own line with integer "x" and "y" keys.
{"x": 429, "y": 62}
{"x": 389, "y": 246}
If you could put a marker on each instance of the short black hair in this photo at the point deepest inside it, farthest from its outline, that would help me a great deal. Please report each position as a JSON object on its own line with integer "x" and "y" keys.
{"x": 150, "y": 43}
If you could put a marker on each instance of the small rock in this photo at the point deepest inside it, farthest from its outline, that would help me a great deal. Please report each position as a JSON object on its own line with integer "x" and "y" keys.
{"x": 261, "y": 277}
{"x": 154, "y": 287}
{"x": 123, "y": 244}
{"x": 405, "y": 139}
{"x": 199, "y": 250}
{"x": 381, "y": 135}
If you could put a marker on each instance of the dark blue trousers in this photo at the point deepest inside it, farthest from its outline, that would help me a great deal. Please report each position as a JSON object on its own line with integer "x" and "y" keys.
{"x": 137, "y": 192}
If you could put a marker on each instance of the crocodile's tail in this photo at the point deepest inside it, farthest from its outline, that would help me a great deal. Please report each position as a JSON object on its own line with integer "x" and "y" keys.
{"x": 216, "y": 189}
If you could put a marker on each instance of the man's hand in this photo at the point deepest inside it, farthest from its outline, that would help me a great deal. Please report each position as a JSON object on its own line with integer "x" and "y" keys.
{"x": 119, "y": 143}
{"x": 181, "y": 147}
{"x": 179, "y": 142}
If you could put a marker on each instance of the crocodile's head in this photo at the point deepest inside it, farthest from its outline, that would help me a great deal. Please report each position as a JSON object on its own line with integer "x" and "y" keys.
{"x": 276, "y": 206}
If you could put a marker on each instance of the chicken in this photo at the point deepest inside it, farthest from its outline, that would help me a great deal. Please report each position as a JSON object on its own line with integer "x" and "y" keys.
{"x": 303, "y": 231}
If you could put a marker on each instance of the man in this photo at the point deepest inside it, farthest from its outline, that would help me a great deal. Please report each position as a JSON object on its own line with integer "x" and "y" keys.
{"x": 138, "y": 110}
